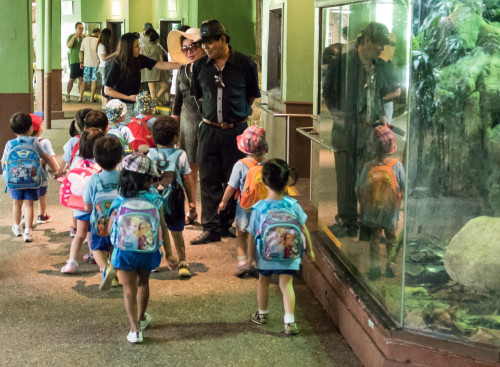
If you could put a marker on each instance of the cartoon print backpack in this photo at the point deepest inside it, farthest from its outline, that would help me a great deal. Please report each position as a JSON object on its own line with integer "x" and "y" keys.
{"x": 169, "y": 185}
{"x": 73, "y": 185}
{"x": 141, "y": 133}
{"x": 99, "y": 219}
{"x": 253, "y": 189}
{"x": 136, "y": 226}
{"x": 380, "y": 189}
{"x": 279, "y": 236}
{"x": 23, "y": 168}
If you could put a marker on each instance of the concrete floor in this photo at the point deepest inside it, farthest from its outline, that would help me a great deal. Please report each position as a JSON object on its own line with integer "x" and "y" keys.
{"x": 50, "y": 319}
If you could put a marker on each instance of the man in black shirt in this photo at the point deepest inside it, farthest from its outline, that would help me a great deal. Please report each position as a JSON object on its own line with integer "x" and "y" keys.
{"x": 226, "y": 81}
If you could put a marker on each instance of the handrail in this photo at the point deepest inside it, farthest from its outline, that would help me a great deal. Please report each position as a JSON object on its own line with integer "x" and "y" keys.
{"x": 304, "y": 131}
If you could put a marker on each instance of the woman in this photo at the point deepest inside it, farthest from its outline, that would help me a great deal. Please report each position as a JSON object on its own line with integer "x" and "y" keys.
{"x": 123, "y": 72}
{"x": 154, "y": 51}
{"x": 104, "y": 52}
{"x": 185, "y": 50}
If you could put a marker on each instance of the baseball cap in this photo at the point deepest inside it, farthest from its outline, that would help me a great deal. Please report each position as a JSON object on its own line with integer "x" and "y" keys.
{"x": 140, "y": 163}
{"x": 211, "y": 28}
{"x": 36, "y": 121}
{"x": 377, "y": 33}
{"x": 253, "y": 140}
{"x": 384, "y": 136}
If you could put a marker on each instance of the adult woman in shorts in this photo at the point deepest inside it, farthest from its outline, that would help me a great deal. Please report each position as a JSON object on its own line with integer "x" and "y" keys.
{"x": 104, "y": 52}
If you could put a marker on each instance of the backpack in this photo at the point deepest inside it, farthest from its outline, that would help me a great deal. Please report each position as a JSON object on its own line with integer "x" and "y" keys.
{"x": 75, "y": 149}
{"x": 141, "y": 133}
{"x": 380, "y": 188}
{"x": 169, "y": 185}
{"x": 136, "y": 226}
{"x": 99, "y": 219}
{"x": 73, "y": 185}
{"x": 23, "y": 168}
{"x": 279, "y": 236}
{"x": 253, "y": 189}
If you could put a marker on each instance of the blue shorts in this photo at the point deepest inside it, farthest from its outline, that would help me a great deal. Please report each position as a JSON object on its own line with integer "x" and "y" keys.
{"x": 100, "y": 243}
{"x": 242, "y": 218}
{"x": 135, "y": 261}
{"x": 83, "y": 218}
{"x": 28, "y": 194}
{"x": 176, "y": 225}
{"x": 268, "y": 273}
{"x": 42, "y": 191}
{"x": 90, "y": 73}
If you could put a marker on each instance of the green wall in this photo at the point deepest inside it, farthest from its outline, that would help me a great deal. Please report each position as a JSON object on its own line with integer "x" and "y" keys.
{"x": 100, "y": 11}
{"x": 142, "y": 12}
{"x": 186, "y": 12}
{"x": 56, "y": 34}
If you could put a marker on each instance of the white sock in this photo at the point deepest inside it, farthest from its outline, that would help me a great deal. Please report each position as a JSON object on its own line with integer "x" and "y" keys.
{"x": 263, "y": 312}
{"x": 242, "y": 260}
{"x": 289, "y": 318}
{"x": 27, "y": 230}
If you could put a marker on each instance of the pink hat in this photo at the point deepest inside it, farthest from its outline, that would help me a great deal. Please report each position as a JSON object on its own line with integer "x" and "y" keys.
{"x": 253, "y": 140}
{"x": 36, "y": 121}
{"x": 384, "y": 135}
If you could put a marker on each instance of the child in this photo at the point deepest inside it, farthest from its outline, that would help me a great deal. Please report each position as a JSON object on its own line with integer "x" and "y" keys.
{"x": 380, "y": 186}
{"x": 107, "y": 153}
{"x": 166, "y": 136}
{"x": 134, "y": 268}
{"x": 115, "y": 112}
{"x": 275, "y": 175}
{"x": 253, "y": 143}
{"x": 141, "y": 124}
{"x": 87, "y": 140}
{"x": 21, "y": 124}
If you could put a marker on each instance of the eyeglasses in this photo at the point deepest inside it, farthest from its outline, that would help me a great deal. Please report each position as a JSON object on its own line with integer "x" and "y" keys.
{"x": 192, "y": 47}
{"x": 218, "y": 80}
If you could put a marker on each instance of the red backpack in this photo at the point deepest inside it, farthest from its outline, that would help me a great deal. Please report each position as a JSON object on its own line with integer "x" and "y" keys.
{"x": 253, "y": 189}
{"x": 141, "y": 133}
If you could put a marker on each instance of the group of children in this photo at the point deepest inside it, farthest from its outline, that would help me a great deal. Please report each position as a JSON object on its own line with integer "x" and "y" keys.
{"x": 132, "y": 201}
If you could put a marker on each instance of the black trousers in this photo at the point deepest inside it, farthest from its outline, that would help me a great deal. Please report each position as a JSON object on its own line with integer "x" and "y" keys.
{"x": 217, "y": 153}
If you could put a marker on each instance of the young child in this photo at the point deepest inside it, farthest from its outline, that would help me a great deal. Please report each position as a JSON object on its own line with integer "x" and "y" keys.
{"x": 107, "y": 153}
{"x": 21, "y": 124}
{"x": 141, "y": 124}
{"x": 166, "y": 136}
{"x": 253, "y": 143}
{"x": 275, "y": 175}
{"x": 134, "y": 268}
{"x": 87, "y": 140}
{"x": 115, "y": 112}
{"x": 380, "y": 187}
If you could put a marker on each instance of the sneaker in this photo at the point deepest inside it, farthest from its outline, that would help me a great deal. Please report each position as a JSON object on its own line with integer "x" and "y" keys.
{"x": 67, "y": 99}
{"x": 42, "y": 219}
{"x": 70, "y": 267}
{"x": 72, "y": 231}
{"x": 115, "y": 283}
{"x": 145, "y": 323}
{"x": 27, "y": 236}
{"x": 184, "y": 270}
{"x": 242, "y": 270}
{"x": 89, "y": 258}
{"x": 258, "y": 318}
{"x": 16, "y": 230}
{"x": 108, "y": 275}
{"x": 135, "y": 336}
{"x": 291, "y": 329}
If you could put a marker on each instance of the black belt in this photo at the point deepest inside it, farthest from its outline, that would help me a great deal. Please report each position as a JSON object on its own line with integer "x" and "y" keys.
{"x": 224, "y": 125}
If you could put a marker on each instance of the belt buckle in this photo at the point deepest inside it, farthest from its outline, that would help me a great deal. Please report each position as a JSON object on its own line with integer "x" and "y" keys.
{"x": 225, "y": 125}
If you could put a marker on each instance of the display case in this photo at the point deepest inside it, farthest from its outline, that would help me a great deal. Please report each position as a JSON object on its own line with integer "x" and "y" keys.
{"x": 433, "y": 268}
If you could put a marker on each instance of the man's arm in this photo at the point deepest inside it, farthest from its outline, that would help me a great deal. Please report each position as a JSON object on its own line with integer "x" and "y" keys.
{"x": 81, "y": 59}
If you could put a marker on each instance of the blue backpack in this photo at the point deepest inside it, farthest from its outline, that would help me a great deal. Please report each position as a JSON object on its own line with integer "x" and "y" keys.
{"x": 23, "y": 169}
{"x": 99, "y": 219}
{"x": 279, "y": 236}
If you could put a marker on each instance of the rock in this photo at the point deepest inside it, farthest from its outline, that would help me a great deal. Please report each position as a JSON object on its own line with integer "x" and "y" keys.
{"x": 472, "y": 257}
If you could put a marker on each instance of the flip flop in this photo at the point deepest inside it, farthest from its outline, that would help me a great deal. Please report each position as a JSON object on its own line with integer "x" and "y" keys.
{"x": 190, "y": 219}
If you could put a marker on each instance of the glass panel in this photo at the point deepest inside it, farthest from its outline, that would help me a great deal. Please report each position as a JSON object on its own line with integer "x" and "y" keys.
{"x": 452, "y": 277}
{"x": 357, "y": 73}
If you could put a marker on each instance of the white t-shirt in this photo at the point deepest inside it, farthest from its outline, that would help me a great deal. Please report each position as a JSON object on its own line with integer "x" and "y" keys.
{"x": 173, "y": 85}
{"x": 89, "y": 45}
{"x": 101, "y": 53}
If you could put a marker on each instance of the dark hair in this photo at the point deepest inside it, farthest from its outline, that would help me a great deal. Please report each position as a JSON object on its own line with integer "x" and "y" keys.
{"x": 76, "y": 24}
{"x": 87, "y": 140}
{"x": 276, "y": 174}
{"x": 96, "y": 119}
{"x": 164, "y": 130}
{"x": 105, "y": 39}
{"x": 153, "y": 36}
{"x": 149, "y": 31}
{"x": 20, "y": 123}
{"x": 148, "y": 26}
{"x": 108, "y": 152}
{"x": 132, "y": 182}
{"x": 183, "y": 28}
{"x": 77, "y": 125}
{"x": 96, "y": 30}
{"x": 125, "y": 54}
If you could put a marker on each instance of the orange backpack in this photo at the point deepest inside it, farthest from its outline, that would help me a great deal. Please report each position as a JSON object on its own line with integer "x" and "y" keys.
{"x": 253, "y": 189}
{"x": 381, "y": 189}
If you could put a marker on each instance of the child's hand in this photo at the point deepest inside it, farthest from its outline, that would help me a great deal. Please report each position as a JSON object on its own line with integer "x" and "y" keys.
{"x": 222, "y": 206}
{"x": 172, "y": 262}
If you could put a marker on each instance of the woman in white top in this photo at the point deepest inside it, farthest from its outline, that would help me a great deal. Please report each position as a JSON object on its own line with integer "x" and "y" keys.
{"x": 104, "y": 52}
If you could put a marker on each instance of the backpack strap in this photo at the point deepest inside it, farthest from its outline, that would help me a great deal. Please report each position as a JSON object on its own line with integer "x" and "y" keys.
{"x": 249, "y": 162}
{"x": 390, "y": 162}
{"x": 174, "y": 156}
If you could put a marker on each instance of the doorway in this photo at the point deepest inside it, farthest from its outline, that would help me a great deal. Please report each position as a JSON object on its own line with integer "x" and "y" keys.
{"x": 165, "y": 27}
{"x": 116, "y": 31}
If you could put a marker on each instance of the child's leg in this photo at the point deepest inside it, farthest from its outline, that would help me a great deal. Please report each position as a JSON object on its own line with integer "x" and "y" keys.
{"x": 390, "y": 235}
{"x": 42, "y": 205}
{"x": 142, "y": 294}
{"x": 130, "y": 296}
{"x": 101, "y": 258}
{"x": 180, "y": 246}
{"x": 375, "y": 236}
{"x": 241, "y": 240}
{"x": 82, "y": 228}
{"x": 17, "y": 206}
{"x": 263, "y": 292}
{"x": 286, "y": 286}
{"x": 28, "y": 213}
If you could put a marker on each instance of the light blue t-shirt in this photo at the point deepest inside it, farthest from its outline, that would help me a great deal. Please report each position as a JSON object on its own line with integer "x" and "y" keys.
{"x": 47, "y": 148}
{"x": 238, "y": 175}
{"x": 182, "y": 163}
{"x": 68, "y": 148}
{"x": 109, "y": 180}
{"x": 253, "y": 229}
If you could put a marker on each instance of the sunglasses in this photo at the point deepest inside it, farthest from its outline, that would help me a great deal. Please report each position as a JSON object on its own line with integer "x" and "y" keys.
{"x": 218, "y": 80}
{"x": 192, "y": 47}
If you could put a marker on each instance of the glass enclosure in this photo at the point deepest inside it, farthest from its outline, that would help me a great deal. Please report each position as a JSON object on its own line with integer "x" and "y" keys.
{"x": 424, "y": 238}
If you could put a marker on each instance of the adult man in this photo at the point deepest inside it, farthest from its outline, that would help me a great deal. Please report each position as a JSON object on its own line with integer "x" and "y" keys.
{"x": 388, "y": 78}
{"x": 353, "y": 97}
{"x": 74, "y": 43}
{"x": 89, "y": 61}
{"x": 226, "y": 82}
{"x": 143, "y": 38}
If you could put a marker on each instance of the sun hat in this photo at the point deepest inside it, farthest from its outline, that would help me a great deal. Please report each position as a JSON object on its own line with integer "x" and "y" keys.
{"x": 253, "y": 140}
{"x": 174, "y": 43}
{"x": 140, "y": 163}
{"x": 385, "y": 140}
{"x": 144, "y": 102}
{"x": 36, "y": 121}
{"x": 115, "y": 109}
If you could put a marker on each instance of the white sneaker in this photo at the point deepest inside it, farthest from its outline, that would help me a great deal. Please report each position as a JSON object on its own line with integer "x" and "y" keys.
{"x": 135, "y": 336}
{"x": 16, "y": 230}
{"x": 27, "y": 236}
{"x": 70, "y": 267}
{"x": 145, "y": 323}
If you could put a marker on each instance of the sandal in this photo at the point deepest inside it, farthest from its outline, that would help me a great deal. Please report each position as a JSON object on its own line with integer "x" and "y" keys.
{"x": 190, "y": 218}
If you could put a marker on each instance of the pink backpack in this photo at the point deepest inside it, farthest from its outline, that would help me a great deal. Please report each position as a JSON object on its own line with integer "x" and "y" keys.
{"x": 73, "y": 185}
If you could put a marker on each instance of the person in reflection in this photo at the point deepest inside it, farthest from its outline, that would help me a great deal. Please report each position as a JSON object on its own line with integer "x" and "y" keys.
{"x": 352, "y": 96}
{"x": 380, "y": 189}
{"x": 386, "y": 74}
